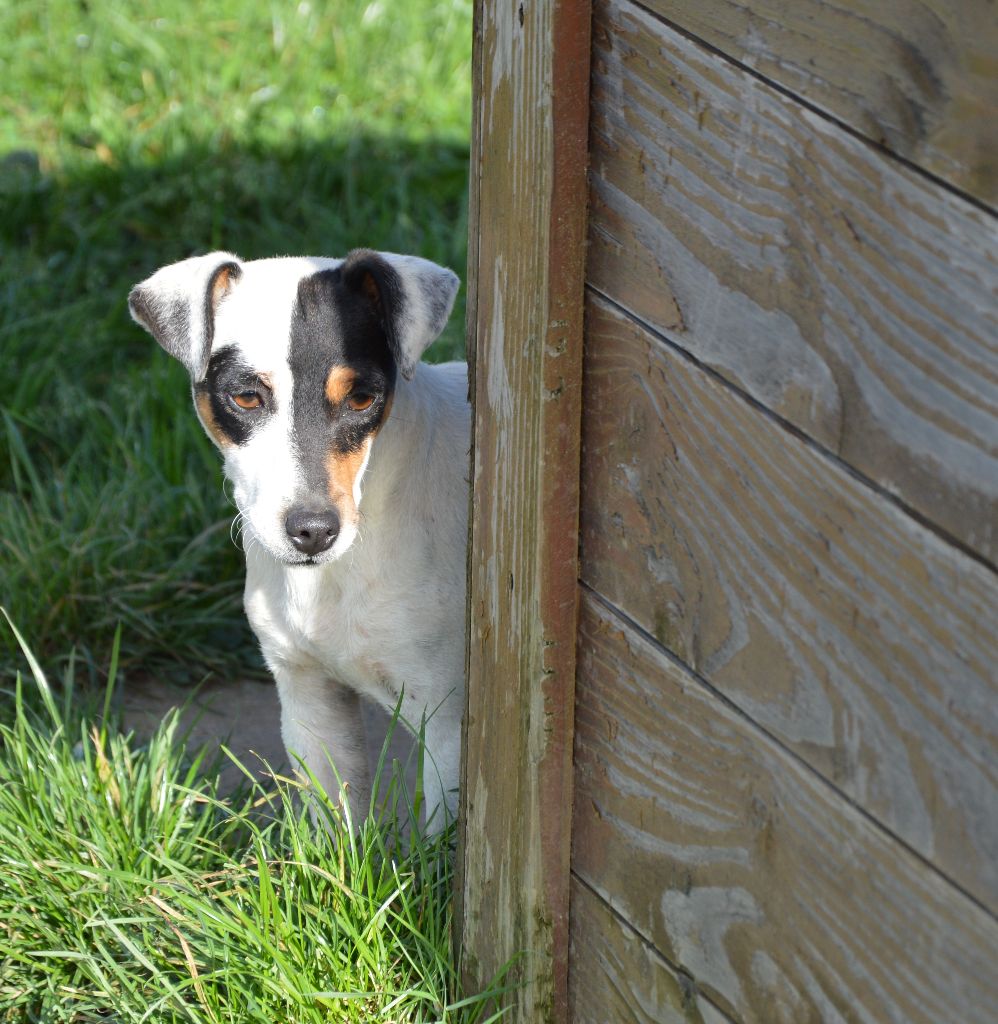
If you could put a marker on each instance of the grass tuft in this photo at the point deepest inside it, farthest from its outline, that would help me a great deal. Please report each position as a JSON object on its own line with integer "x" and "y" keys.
{"x": 132, "y": 890}
{"x": 133, "y": 134}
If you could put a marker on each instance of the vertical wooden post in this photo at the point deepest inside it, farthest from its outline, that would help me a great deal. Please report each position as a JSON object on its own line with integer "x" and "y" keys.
{"x": 526, "y": 270}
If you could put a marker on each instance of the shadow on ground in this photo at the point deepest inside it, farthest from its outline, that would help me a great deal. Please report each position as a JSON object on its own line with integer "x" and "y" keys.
{"x": 244, "y": 715}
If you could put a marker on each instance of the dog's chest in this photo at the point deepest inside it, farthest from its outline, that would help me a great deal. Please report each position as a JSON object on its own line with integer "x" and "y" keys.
{"x": 342, "y": 624}
{"x": 346, "y": 642}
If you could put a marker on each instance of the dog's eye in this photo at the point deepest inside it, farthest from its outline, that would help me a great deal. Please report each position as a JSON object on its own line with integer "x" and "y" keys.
{"x": 360, "y": 400}
{"x": 248, "y": 399}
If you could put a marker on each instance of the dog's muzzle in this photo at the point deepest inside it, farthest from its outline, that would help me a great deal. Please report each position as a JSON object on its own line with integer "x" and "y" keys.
{"x": 312, "y": 532}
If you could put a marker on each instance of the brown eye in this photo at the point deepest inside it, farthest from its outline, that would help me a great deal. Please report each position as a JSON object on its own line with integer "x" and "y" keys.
{"x": 360, "y": 401}
{"x": 248, "y": 399}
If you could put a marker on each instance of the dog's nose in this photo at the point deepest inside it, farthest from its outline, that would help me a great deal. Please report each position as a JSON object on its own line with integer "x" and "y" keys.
{"x": 312, "y": 532}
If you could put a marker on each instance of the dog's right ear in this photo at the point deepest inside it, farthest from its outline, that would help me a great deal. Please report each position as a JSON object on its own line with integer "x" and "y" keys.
{"x": 412, "y": 298}
{"x": 177, "y": 306}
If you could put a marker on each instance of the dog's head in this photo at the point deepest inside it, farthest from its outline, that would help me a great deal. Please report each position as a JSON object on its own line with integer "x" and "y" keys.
{"x": 294, "y": 364}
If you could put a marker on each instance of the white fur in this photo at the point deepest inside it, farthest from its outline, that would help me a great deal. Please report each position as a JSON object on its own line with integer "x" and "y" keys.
{"x": 387, "y": 618}
{"x": 382, "y": 614}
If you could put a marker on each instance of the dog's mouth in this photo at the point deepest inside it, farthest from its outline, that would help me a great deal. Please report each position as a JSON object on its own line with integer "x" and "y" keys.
{"x": 302, "y": 561}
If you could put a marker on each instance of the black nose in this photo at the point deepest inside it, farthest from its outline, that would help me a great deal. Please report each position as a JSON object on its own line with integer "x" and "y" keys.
{"x": 312, "y": 532}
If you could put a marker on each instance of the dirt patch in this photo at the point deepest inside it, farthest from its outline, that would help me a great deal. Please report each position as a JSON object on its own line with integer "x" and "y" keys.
{"x": 245, "y": 716}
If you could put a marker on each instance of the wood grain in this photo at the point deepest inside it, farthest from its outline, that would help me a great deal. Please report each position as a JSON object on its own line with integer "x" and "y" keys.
{"x": 842, "y": 290}
{"x": 918, "y": 76}
{"x": 616, "y": 976}
{"x": 530, "y": 171}
{"x": 852, "y": 634}
{"x": 748, "y": 872}
{"x": 471, "y": 346}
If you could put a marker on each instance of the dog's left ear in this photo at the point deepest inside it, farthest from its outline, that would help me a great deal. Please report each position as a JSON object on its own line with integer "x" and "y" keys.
{"x": 177, "y": 306}
{"x": 412, "y": 297}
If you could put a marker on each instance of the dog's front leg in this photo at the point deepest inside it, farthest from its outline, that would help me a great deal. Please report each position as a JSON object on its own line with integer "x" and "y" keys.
{"x": 442, "y": 768}
{"x": 321, "y": 725}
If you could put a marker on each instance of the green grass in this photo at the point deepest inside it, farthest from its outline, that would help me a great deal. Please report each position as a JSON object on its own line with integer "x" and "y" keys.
{"x": 130, "y": 891}
{"x": 133, "y": 134}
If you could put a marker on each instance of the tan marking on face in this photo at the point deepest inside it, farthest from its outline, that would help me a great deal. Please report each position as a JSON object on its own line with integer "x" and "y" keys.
{"x": 203, "y": 405}
{"x": 339, "y": 383}
{"x": 342, "y": 473}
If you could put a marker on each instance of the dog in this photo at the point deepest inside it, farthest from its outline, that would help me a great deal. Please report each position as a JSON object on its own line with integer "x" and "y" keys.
{"x": 349, "y": 462}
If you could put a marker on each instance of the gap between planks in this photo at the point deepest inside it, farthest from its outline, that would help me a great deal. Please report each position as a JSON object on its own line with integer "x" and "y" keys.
{"x": 844, "y": 126}
{"x": 676, "y": 969}
{"x": 717, "y": 201}
{"x": 819, "y": 449}
{"x": 883, "y": 930}
{"x": 643, "y": 633}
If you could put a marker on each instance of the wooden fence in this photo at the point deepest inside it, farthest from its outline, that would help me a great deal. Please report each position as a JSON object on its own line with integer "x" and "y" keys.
{"x": 732, "y": 730}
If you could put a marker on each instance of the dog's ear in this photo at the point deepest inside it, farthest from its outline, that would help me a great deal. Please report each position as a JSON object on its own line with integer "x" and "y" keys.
{"x": 177, "y": 306}
{"x": 412, "y": 297}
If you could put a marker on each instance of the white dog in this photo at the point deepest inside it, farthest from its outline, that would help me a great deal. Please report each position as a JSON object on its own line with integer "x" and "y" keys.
{"x": 349, "y": 461}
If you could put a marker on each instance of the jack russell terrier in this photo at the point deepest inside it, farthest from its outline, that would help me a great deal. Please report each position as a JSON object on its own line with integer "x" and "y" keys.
{"x": 349, "y": 460}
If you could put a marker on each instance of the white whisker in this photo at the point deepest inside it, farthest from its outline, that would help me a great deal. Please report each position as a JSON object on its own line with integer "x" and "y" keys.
{"x": 230, "y": 498}
{"x": 236, "y": 528}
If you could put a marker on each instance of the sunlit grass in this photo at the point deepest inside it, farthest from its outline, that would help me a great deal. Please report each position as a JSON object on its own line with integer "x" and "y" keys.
{"x": 132, "y": 135}
{"x": 132, "y": 890}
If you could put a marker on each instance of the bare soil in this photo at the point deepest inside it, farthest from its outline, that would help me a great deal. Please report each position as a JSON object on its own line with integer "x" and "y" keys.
{"x": 245, "y": 716}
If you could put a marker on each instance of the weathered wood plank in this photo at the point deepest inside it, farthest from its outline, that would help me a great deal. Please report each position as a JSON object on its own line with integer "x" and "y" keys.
{"x": 743, "y": 868}
{"x": 848, "y": 631}
{"x": 918, "y": 76}
{"x": 530, "y": 166}
{"x": 840, "y": 289}
{"x": 616, "y": 976}
{"x": 470, "y": 330}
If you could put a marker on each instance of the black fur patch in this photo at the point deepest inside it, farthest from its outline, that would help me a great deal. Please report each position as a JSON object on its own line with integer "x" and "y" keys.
{"x": 228, "y": 375}
{"x": 334, "y": 323}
